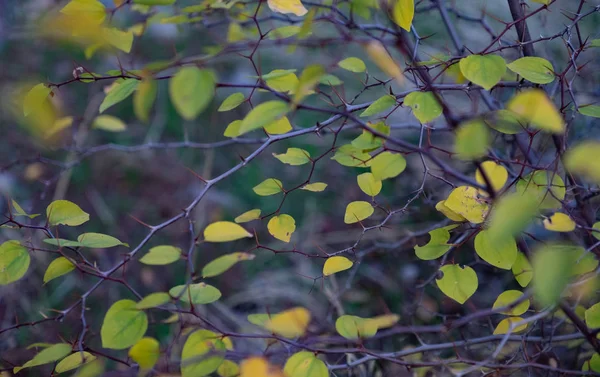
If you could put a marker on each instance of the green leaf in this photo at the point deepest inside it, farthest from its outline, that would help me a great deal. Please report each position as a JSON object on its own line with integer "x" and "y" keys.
{"x": 368, "y": 184}
{"x": 282, "y": 227}
{"x": 98, "y": 241}
{"x": 305, "y": 364}
{"x": 145, "y": 352}
{"x": 381, "y": 104}
{"x": 233, "y": 129}
{"x": 506, "y": 122}
{"x": 331, "y": 80}
{"x": 510, "y": 216}
{"x": 61, "y": 242}
{"x": 109, "y": 123}
{"x": 424, "y": 105}
{"x": 191, "y": 91}
{"x": 522, "y": 270}
{"x": 472, "y": 140}
{"x": 358, "y": 211}
{"x": 368, "y": 141}
{"x": 123, "y": 325}
{"x": 534, "y": 69}
{"x": 118, "y": 93}
{"x": 547, "y": 187}
{"x": 584, "y": 160}
{"x": 253, "y": 214}
{"x": 263, "y": 115}
{"x": 14, "y": 262}
{"x": 144, "y": 98}
{"x": 18, "y": 211}
{"x": 224, "y": 263}
{"x": 437, "y": 245}
{"x": 51, "y": 354}
{"x": 353, "y": 327}
{"x": 199, "y": 294}
{"x": 34, "y": 98}
{"x": 552, "y": 270}
{"x": 308, "y": 80}
{"x": 458, "y": 283}
{"x": 269, "y": 186}
{"x": 74, "y": 360}
{"x": 294, "y": 157}
{"x": 353, "y": 64}
{"x": 483, "y": 70}
{"x": 348, "y": 155}
{"x": 534, "y": 106}
{"x": 160, "y": 255}
{"x": 387, "y": 165}
{"x": 198, "y": 344}
{"x": 592, "y": 316}
{"x": 231, "y": 102}
{"x": 153, "y": 300}
{"x": 508, "y": 297}
{"x": 314, "y": 187}
{"x": 502, "y": 253}
{"x": 58, "y": 267}
{"x": 590, "y": 110}
{"x": 66, "y": 213}
{"x": 284, "y": 32}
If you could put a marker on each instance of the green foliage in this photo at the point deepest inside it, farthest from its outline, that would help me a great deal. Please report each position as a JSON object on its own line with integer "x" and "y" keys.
{"x": 123, "y": 325}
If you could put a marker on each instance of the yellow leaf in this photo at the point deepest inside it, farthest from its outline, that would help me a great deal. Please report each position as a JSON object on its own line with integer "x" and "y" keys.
{"x": 93, "y": 10}
{"x": 384, "y": 61}
{"x": 314, "y": 187}
{"x": 233, "y": 129}
{"x": 228, "y": 369}
{"x": 235, "y": 33}
{"x": 497, "y": 175}
{"x": 282, "y": 227}
{"x": 384, "y": 321}
{"x": 441, "y": 206}
{"x": 403, "y": 13}
{"x": 584, "y": 159}
{"x": 508, "y": 297}
{"x": 290, "y": 323}
{"x": 258, "y": 367}
{"x": 305, "y": 364}
{"x": 354, "y": 327}
{"x": 336, "y": 264}
{"x": 287, "y": 6}
{"x": 293, "y": 156}
{"x": 35, "y": 98}
{"x": 109, "y": 123}
{"x": 466, "y": 201}
{"x": 505, "y": 326}
{"x": 145, "y": 352}
{"x": 224, "y": 231}
{"x": 368, "y": 184}
{"x": 269, "y": 186}
{"x": 559, "y": 222}
{"x": 279, "y": 127}
{"x": 358, "y": 211}
{"x": 472, "y": 140}
{"x": 534, "y": 106}
{"x": 253, "y": 214}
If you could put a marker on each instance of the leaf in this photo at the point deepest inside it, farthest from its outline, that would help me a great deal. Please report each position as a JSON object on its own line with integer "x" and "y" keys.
{"x": 194, "y": 363}
{"x": 559, "y": 222}
{"x": 98, "y": 241}
{"x": 66, "y": 213}
{"x": 154, "y": 2}
{"x": 348, "y": 155}
{"x": 225, "y": 231}
{"x": 314, "y": 187}
{"x": 501, "y": 253}
{"x": 403, "y": 13}
{"x": 590, "y": 110}
{"x": 258, "y": 366}
{"x": 287, "y": 6}
{"x": 109, "y": 123}
{"x": 466, "y": 202}
{"x": 522, "y": 270}
{"x": 199, "y": 294}
{"x": 279, "y": 127}
{"x": 291, "y": 323}
{"x": 14, "y": 262}
{"x": 34, "y": 98}
{"x": 534, "y": 106}
{"x": 233, "y": 129}
{"x": 358, "y": 211}
{"x": 507, "y": 298}
{"x": 253, "y": 214}
{"x": 153, "y": 300}
{"x": 511, "y": 215}
{"x": 336, "y": 264}
{"x": 224, "y": 263}
{"x": 161, "y": 255}
{"x": 294, "y": 157}
{"x": 284, "y": 32}
{"x": 552, "y": 269}
{"x": 231, "y": 102}
{"x": 384, "y": 61}
{"x": 505, "y": 326}
{"x": 269, "y": 186}
{"x": 584, "y": 160}
{"x": 331, "y": 80}
{"x": 118, "y": 93}
{"x": 308, "y": 80}
{"x": 387, "y": 165}
{"x": 18, "y": 211}
{"x": 191, "y": 91}
{"x": 497, "y": 174}
{"x": 425, "y": 106}
{"x": 353, "y": 64}
{"x": 228, "y": 369}
{"x": 534, "y": 69}
{"x": 592, "y": 316}
{"x": 48, "y": 355}
{"x": 145, "y": 352}
{"x": 58, "y": 267}
{"x": 483, "y": 70}
{"x": 472, "y": 140}
{"x": 94, "y": 10}
{"x": 437, "y": 245}
{"x": 353, "y": 327}
{"x": 60, "y": 242}
{"x": 282, "y": 227}
{"x": 73, "y": 361}
{"x": 381, "y": 104}
{"x": 367, "y": 140}
{"x": 123, "y": 325}
{"x": 305, "y": 364}
{"x": 457, "y": 283}
{"x": 441, "y": 206}
{"x": 282, "y": 80}
{"x": 263, "y": 115}
{"x": 506, "y": 122}
{"x": 368, "y": 184}
{"x": 547, "y": 187}
{"x": 384, "y": 321}
{"x": 144, "y": 98}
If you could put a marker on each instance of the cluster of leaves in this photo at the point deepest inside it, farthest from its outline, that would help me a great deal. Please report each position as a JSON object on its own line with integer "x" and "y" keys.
{"x": 518, "y": 187}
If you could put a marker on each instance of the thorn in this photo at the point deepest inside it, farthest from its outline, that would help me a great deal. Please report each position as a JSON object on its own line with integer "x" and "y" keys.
{"x": 140, "y": 221}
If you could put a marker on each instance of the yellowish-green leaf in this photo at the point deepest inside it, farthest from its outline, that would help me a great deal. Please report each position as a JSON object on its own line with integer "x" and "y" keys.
{"x": 224, "y": 263}
{"x": 93, "y": 10}
{"x": 534, "y": 69}
{"x": 98, "y": 241}
{"x": 437, "y": 245}
{"x": 73, "y": 361}
{"x": 225, "y": 231}
{"x": 233, "y": 129}
{"x": 353, "y": 327}
{"x": 368, "y": 140}
{"x": 472, "y": 140}
{"x": 507, "y": 298}
{"x": 336, "y": 264}
{"x": 314, "y": 187}
{"x": 235, "y": 33}
{"x": 559, "y": 222}
{"x": 522, "y": 270}
{"x": 231, "y": 102}
{"x": 145, "y": 352}
{"x": 194, "y": 363}
{"x": 153, "y": 300}
{"x": 424, "y": 105}
{"x": 368, "y": 184}
{"x": 457, "y": 283}
{"x": 34, "y": 98}
{"x": 353, "y": 64}
{"x": 592, "y": 316}
{"x": 510, "y": 325}
{"x": 17, "y": 210}
{"x": 198, "y": 294}
{"x": 14, "y": 262}
{"x": 506, "y": 122}
{"x": 291, "y": 323}
{"x": 403, "y": 13}
{"x": 590, "y": 110}
{"x": 282, "y": 80}
{"x": 500, "y": 253}
{"x": 384, "y": 321}
{"x": 483, "y": 70}
{"x": 466, "y": 202}
{"x": 118, "y": 93}
{"x": 282, "y": 227}
{"x": 269, "y": 186}
{"x": 123, "y": 325}
{"x": 66, "y": 213}
{"x": 331, "y": 80}
{"x": 545, "y": 2}
{"x": 154, "y": 2}
{"x": 441, "y": 206}
{"x": 143, "y": 99}
{"x": 387, "y": 165}
{"x": 511, "y": 214}
{"x": 496, "y": 174}
{"x": 547, "y": 187}
{"x": 381, "y": 104}
{"x": 284, "y": 32}
{"x": 358, "y": 211}
{"x": 279, "y": 127}
{"x": 348, "y": 155}
{"x": 263, "y": 115}
{"x": 552, "y": 269}
{"x": 48, "y": 355}
{"x": 191, "y": 91}
{"x": 287, "y": 6}
{"x": 161, "y": 255}
{"x": 534, "y": 106}
{"x": 584, "y": 160}
{"x": 293, "y": 156}
{"x": 305, "y": 364}
{"x": 58, "y": 267}
{"x": 247, "y": 216}
{"x": 310, "y": 77}
{"x": 380, "y": 56}
{"x": 228, "y": 369}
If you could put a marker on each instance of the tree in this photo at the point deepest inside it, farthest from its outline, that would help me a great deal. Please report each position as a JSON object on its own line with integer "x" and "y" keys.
{"x": 302, "y": 189}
